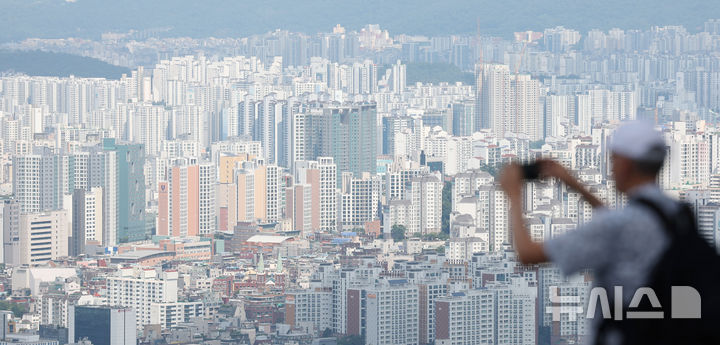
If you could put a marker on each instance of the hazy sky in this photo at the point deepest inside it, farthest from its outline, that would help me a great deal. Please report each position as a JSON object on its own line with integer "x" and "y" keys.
{"x": 20, "y": 19}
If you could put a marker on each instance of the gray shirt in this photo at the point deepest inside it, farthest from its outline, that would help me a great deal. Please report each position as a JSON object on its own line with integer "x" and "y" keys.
{"x": 621, "y": 247}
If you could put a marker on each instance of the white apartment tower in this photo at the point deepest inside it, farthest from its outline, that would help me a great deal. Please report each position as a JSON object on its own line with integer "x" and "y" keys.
{"x": 466, "y": 318}
{"x": 392, "y": 313}
{"x": 328, "y": 193}
{"x": 43, "y": 237}
{"x": 359, "y": 200}
{"x": 494, "y": 97}
{"x": 139, "y": 289}
{"x": 426, "y": 200}
{"x": 399, "y": 77}
{"x": 527, "y": 109}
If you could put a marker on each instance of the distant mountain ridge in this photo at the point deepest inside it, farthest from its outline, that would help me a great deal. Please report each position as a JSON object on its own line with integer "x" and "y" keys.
{"x": 20, "y": 19}
{"x": 39, "y": 63}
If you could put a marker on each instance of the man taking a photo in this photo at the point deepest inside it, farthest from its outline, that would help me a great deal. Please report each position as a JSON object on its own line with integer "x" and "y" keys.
{"x": 621, "y": 246}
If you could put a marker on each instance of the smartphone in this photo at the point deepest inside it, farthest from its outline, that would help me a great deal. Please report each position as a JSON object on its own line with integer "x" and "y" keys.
{"x": 531, "y": 171}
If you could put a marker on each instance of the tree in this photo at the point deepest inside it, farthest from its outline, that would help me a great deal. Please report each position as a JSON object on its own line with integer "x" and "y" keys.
{"x": 398, "y": 232}
{"x": 17, "y": 309}
{"x": 351, "y": 340}
{"x": 327, "y": 333}
{"x": 492, "y": 170}
{"x": 537, "y": 144}
{"x": 436, "y": 236}
{"x": 446, "y": 206}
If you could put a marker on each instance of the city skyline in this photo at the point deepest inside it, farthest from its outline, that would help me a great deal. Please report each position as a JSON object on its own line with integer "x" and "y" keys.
{"x": 334, "y": 187}
{"x": 61, "y": 18}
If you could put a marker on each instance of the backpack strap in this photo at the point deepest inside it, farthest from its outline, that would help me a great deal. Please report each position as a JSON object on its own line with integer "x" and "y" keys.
{"x": 680, "y": 223}
{"x": 667, "y": 222}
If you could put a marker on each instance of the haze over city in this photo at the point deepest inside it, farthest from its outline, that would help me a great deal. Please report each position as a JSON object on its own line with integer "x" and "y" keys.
{"x": 296, "y": 173}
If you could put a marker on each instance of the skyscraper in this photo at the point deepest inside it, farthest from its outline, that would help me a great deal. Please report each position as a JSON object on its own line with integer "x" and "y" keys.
{"x": 187, "y": 199}
{"x": 128, "y": 161}
{"x": 246, "y": 113}
{"x": 426, "y": 198}
{"x": 463, "y": 120}
{"x": 527, "y": 115}
{"x": 269, "y": 115}
{"x": 359, "y": 200}
{"x": 328, "y": 193}
{"x": 10, "y": 209}
{"x": 493, "y": 97}
{"x": 557, "y": 115}
{"x": 39, "y": 181}
{"x": 87, "y": 219}
{"x": 349, "y": 135}
{"x": 303, "y": 198}
{"x": 258, "y": 193}
{"x": 508, "y": 104}
{"x": 399, "y": 77}
{"x": 466, "y": 318}
{"x": 392, "y": 313}
{"x": 364, "y": 78}
{"x": 139, "y": 289}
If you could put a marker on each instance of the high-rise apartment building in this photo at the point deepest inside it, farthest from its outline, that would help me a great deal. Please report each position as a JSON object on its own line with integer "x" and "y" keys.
{"x": 269, "y": 113}
{"x": 426, "y": 197}
{"x": 466, "y": 318}
{"x": 258, "y": 192}
{"x": 359, "y": 200}
{"x": 87, "y": 219}
{"x": 43, "y": 237}
{"x": 187, "y": 200}
{"x": 303, "y": 198}
{"x": 399, "y": 77}
{"x": 420, "y": 210}
{"x": 126, "y": 169}
{"x": 463, "y": 118}
{"x": 527, "y": 112}
{"x": 429, "y": 291}
{"x": 515, "y": 311}
{"x": 10, "y": 230}
{"x": 172, "y": 314}
{"x": 392, "y": 313}
{"x": 493, "y": 205}
{"x": 39, "y": 181}
{"x": 398, "y": 177}
{"x": 139, "y": 288}
{"x": 493, "y": 97}
{"x": 328, "y": 193}
{"x": 349, "y": 135}
{"x": 147, "y": 125}
{"x": 309, "y": 308}
{"x": 508, "y": 103}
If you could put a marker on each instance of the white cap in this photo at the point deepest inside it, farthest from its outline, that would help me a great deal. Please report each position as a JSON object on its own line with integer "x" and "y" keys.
{"x": 638, "y": 140}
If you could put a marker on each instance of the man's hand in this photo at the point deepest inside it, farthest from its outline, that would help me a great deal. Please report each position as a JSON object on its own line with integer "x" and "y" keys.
{"x": 551, "y": 168}
{"x": 511, "y": 180}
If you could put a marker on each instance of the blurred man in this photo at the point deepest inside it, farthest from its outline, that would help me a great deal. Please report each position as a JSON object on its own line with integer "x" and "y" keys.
{"x": 621, "y": 246}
